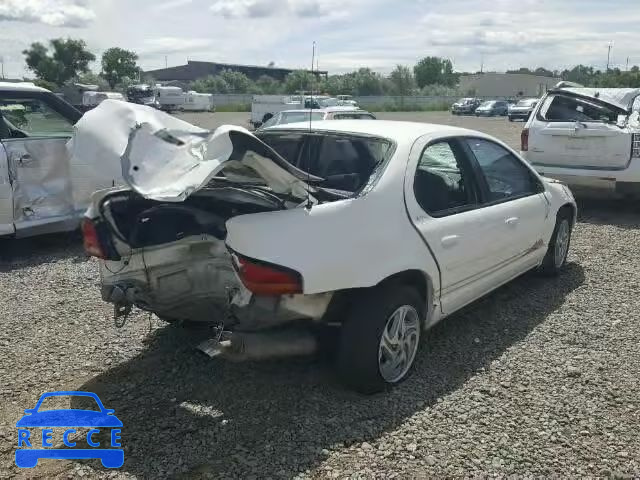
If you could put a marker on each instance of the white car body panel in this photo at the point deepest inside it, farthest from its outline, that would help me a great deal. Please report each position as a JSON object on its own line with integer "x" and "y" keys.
{"x": 587, "y": 154}
{"x": 359, "y": 242}
{"x": 6, "y": 196}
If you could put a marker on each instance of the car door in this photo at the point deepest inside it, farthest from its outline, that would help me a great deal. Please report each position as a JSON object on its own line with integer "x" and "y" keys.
{"x": 6, "y": 196}
{"x": 516, "y": 195}
{"x": 37, "y": 127}
{"x": 444, "y": 201}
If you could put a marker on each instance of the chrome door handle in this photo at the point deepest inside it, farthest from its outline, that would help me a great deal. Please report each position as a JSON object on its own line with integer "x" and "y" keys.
{"x": 450, "y": 241}
{"x": 512, "y": 222}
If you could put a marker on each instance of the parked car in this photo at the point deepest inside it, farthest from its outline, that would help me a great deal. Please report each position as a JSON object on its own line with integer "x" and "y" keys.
{"x": 588, "y": 138}
{"x": 333, "y": 113}
{"x": 142, "y": 94}
{"x": 40, "y": 189}
{"x": 465, "y": 106}
{"x": 492, "y": 108}
{"x": 287, "y": 228}
{"x": 522, "y": 109}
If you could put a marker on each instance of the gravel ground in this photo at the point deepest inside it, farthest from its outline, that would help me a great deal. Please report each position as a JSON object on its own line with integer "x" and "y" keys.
{"x": 541, "y": 378}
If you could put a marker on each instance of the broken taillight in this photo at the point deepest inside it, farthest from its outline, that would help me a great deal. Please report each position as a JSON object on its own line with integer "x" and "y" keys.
{"x": 524, "y": 140}
{"x": 264, "y": 278}
{"x": 635, "y": 145}
{"x": 91, "y": 239}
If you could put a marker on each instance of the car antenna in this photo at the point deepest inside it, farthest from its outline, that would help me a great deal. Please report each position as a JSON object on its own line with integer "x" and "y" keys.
{"x": 313, "y": 59}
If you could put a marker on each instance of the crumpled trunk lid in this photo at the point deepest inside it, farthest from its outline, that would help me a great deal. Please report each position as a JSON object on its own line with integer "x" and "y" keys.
{"x": 166, "y": 159}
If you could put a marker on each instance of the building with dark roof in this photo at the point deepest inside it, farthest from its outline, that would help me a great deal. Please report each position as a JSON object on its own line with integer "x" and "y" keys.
{"x": 196, "y": 70}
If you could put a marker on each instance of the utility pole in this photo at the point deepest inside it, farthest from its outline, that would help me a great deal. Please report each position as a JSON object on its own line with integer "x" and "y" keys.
{"x": 608, "y": 56}
{"x": 627, "y": 64}
{"x": 166, "y": 62}
{"x": 2, "y": 63}
{"x": 481, "y": 62}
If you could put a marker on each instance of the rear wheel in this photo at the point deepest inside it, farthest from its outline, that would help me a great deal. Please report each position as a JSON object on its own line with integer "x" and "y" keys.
{"x": 380, "y": 338}
{"x": 558, "y": 249}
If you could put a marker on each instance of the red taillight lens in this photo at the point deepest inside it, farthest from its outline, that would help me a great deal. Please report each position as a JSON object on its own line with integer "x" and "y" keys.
{"x": 265, "y": 279}
{"x": 91, "y": 240}
{"x": 524, "y": 140}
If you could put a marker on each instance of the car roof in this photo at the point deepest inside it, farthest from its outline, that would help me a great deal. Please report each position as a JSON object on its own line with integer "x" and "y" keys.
{"x": 21, "y": 87}
{"x": 620, "y": 97}
{"x": 397, "y": 131}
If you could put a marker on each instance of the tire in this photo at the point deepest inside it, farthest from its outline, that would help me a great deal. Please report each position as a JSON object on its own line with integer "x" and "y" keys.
{"x": 510, "y": 118}
{"x": 362, "y": 362}
{"x": 556, "y": 256}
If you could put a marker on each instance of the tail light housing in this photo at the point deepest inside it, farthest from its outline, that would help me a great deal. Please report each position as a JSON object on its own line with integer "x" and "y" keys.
{"x": 635, "y": 145}
{"x": 524, "y": 140}
{"x": 91, "y": 239}
{"x": 263, "y": 278}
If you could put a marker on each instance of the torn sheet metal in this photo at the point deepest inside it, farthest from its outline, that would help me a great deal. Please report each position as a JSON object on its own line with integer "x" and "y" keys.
{"x": 165, "y": 159}
{"x": 99, "y": 140}
{"x": 42, "y": 185}
{"x": 619, "y": 97}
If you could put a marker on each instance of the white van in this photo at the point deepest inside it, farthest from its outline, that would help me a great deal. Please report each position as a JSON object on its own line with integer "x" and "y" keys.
{"x": 588, "y": 138}
{"x": 42, "y": 188}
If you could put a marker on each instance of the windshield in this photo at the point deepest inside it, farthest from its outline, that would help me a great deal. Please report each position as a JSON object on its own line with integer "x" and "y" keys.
{"x": 488, "y": 104}
{"x": 526, "y": 103}
{"x": 294, "y": 117}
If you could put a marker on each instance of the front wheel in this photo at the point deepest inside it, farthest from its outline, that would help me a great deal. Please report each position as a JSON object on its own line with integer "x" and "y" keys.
{"x": 380, "y": 338}
{"x": 558, "y": 249}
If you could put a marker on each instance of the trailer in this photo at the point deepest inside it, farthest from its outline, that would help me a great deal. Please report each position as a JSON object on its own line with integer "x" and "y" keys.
{"x": 169, "y": 98}
{"x": 92, "y": 99}
{"x": 198, "y": 102}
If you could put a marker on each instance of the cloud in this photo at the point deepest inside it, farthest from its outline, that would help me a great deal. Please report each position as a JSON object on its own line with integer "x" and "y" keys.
{"x": 55, "y": 13}
{"x": 271, "y": 8}
{"x": 168, "y": 45}
{"x": 171, "y": 4}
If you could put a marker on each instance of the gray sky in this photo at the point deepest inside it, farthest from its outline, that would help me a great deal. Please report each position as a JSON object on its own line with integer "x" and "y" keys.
{"x": 349, "y": 33}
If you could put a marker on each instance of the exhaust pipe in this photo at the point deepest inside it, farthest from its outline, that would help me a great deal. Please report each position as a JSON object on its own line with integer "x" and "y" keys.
{"x": 240, "y": 347}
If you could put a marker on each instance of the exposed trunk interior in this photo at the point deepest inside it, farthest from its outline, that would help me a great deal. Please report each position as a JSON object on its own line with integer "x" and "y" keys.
{"x": 140, "y": 222}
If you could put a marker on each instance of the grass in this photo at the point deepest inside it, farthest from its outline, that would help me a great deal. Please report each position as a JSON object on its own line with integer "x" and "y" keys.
{"x": 234, "y": 107}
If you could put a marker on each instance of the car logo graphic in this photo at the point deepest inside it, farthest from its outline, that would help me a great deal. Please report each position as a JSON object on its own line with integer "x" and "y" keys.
{"x": 97, "y": 421}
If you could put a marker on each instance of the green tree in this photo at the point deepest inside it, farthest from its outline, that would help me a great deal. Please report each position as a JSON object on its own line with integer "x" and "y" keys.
{"x": 402, "y": 81}
{"x": 268, "y": 85}
{"x": 117, "y": 64}
{"x": 434, "y": 71}
{"x": 211, "y": 84}
{"x": 300, "y": 80}
{"x": 68, "y": 58}
{"x": 237, "y": 82}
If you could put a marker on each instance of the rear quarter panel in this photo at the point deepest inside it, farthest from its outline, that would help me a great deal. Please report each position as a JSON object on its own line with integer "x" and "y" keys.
{"x": 345, "y": 244}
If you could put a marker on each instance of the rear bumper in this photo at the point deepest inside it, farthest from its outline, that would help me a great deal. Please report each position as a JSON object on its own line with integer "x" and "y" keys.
{"x": 618, "y": 182}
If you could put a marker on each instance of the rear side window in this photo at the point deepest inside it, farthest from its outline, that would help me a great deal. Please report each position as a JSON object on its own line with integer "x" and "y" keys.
{"x": 506, "y": 176}
{"x": 561, "y": 108}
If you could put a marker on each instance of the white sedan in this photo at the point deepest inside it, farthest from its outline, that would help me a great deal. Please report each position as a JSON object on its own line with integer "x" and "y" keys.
{"x": 379, "y": 228}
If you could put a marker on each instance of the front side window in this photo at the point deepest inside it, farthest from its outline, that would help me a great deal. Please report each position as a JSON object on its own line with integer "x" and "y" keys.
{"x": 440, "y": 185}
{"x": 31, "y": 117}
{"x": 506, "y": 176}
{"x": 561, "y": 108}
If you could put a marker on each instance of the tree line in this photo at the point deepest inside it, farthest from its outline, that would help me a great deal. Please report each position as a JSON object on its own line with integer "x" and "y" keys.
{"x": 65, "y": 60}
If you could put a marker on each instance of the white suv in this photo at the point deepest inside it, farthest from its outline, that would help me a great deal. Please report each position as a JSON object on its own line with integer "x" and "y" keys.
{"x": 586, "y": 137}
